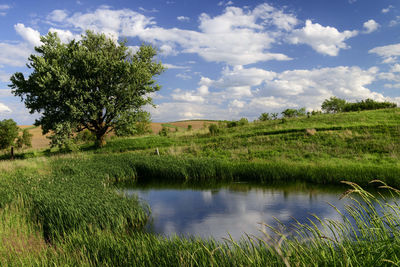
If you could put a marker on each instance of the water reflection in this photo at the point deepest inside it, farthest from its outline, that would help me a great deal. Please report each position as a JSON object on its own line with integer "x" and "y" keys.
{"x": 235, "y": 209}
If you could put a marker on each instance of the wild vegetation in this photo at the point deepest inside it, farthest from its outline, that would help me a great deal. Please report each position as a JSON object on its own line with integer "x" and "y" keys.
{"x": 64, "y": 209}
{"x": 335, "y": 105}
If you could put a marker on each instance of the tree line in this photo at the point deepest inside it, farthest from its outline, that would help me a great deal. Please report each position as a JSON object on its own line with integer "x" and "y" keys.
{"x": 331, "y": 105}
{"x": 336, "y": 105}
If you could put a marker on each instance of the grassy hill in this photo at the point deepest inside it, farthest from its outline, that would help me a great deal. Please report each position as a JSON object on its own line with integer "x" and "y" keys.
{"x": 325, "y": 148}
{"x": 370, "y": 136}
{"x": 62, "y": 209}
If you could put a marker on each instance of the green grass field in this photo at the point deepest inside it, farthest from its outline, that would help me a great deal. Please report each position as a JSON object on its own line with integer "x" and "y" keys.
{"x": 62, "y": 208}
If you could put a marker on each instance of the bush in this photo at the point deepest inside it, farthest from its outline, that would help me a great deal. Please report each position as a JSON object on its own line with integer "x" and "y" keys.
{"x": 25, "y": 139}
{"x": 164, "y": 131}
{"x": 231, "y": 124}
{"x": 189, "y": 127}
{"x": 335, "y": 105}
{"x": 213, "y": 128}
{"x": 264, "y": 117}
{"x": 241, "y": 122}
{"x": 368, "y": 104}
{"x": 292, "y": 113}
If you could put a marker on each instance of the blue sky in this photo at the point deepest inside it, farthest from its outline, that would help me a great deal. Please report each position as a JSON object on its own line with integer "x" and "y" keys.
{"x": 226, "y": 59}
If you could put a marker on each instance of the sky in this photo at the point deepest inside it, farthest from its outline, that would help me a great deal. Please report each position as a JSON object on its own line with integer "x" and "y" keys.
{"x": 225, "y": 59}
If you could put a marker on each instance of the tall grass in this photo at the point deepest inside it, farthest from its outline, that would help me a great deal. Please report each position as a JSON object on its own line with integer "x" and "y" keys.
{"x": 134, "y": 167}
{"x": 62, "y": 200}
{"x": 75, "y": 218}
{"x": 367, "y": 235}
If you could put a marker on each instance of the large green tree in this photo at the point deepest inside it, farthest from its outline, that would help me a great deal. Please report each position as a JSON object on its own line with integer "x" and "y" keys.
{"x": 86, "y": 84}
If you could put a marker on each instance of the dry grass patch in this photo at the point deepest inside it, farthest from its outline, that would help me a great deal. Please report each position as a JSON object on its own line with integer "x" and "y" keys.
{"x": 311, "y": 131}
{"x": 40, "y": 165}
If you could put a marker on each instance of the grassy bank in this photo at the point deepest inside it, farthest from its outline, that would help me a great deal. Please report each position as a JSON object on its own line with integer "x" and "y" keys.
{"x": 62, "y": 209}
{"x": 70, "y": 215}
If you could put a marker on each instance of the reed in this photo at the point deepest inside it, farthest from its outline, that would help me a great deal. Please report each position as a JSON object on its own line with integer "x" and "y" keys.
{"x": 366, "y": 235}
{"x": 135, "y": 167}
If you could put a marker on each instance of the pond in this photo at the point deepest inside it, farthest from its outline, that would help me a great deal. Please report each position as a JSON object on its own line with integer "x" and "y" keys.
{"x": 234, "y": 209}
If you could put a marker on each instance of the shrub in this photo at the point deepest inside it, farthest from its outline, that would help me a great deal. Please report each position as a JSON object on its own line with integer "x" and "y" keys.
{"x": 189, "y": 127}
{"x": 335, "y": 105}
{"x": 25, "y": 139}
{"x": 243, "y": 121}
{"x": 292, "y": 113}
{"x": 264, "y": 117}
{"x": 231, "y": 124}
{"x": 213, "y": 128}
{"x": 368, "y": 104}
{"x": 164, "y": 131}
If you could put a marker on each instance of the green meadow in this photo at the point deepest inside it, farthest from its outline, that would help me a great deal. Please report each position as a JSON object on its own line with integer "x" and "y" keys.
{"x": 59, "y": 208}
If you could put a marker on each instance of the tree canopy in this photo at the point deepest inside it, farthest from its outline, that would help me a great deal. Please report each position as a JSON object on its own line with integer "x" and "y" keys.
{"x": 333, "y": 105}
{"x": 8, "y": 133}
{"x": 86, "y": 84}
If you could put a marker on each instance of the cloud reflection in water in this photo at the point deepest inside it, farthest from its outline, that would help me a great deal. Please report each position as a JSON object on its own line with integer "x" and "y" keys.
{"x": 217, "y": 212}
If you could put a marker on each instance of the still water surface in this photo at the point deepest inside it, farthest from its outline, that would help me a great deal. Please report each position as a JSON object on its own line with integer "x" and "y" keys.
{"x": 233, "y": 209}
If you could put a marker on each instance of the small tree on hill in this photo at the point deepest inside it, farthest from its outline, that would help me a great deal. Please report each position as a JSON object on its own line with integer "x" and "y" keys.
{"x": 87, "y": 84}
{"x": 25, "y": 139}
{"x": 333, "y": 105}
{"x": 8, "y": 133}
{"x": 264, "y": 117}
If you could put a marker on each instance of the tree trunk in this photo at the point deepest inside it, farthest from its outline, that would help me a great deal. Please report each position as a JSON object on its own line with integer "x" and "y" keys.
{"x": 100, "y": 140}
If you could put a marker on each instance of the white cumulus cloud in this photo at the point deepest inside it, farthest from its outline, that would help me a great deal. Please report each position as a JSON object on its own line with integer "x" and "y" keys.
{"x": 27, "y": 33}
{"x": 389, "y": 53}
{"x": 4, "y": 108}
{"x": 57, "y": 15}
{"x": 15, "y": 55}
{"x": 187, "y": 97}
{"x": 325, "y": 40}
{"x": 267, "y": 91}
{"x": 370, "y": 26}
{"x": 237, "y": 36}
